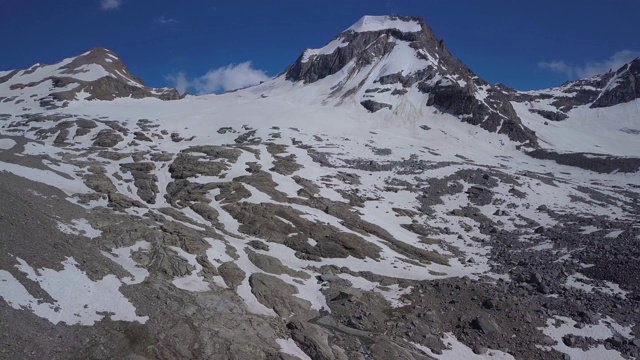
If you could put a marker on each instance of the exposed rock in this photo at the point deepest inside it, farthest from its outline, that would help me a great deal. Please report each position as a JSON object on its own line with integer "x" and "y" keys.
{"x": 625, "y": 87}
{"x": 314, "y": 340}
{"x": 550, "y": 115}
{"x": 107, "y": 138}
{"x": 120, "y": 201}
{"x": 113, "y": 155}
{"x": 374, "y": 106}
{"x": 486, "y": 324}
{"x": 285, "y": 165}
{"x": 186, "y": 165}
{"x": 232, "y": 275}
{"x": 144, "y": 180}
{"x": 216, "y": 152}
{"x": 594, "y": 162}
{"x": 273, "y": 266}
{"x": 277, "y": 295}
{"x": 258, "y": 245}
{"x": 258, "y": 220}
{"x": 140, "y": 136}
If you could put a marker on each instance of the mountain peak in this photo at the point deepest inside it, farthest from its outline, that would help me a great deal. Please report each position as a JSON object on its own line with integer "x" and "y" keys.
{"x": 97, "y": 74}
{"x": 395, "y": 65}
{"x": 378, "y": 23}
{"x": 605, "y": 90}
{"x": 100, "y": 62}
{"x": 368, "y": 40}
{"x": 99, "y": 55}
{"x": 623, "y": 87}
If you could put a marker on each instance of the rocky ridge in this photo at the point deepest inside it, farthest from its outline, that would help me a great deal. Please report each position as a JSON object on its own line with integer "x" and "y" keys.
{"x": 600, "y": 91}
{"x": 97, "y": 74}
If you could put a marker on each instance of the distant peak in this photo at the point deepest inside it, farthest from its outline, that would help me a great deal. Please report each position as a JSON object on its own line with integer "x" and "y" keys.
{"x": 379, "y": 23}
{"x": 98, "y": 50}
{"x": 98, "y": 55}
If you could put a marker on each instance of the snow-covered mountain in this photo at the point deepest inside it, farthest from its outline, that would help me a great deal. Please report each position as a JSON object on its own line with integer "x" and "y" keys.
{"x": 377, "y": 200}
{"x": 397, "y": 65}
{"x": 97, "y": 74}
{"x": 600, "y": 91}
{"x": 597, "y": 115}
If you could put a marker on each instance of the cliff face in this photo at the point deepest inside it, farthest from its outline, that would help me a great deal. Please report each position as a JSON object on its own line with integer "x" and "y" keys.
{"x": 624, "y": 86}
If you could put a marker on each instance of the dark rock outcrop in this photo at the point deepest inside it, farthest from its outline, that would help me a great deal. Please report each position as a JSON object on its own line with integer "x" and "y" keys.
{"x": 624, "y": 87}
{"x": 374, "y": 106}
{"x": 550, "y": 115}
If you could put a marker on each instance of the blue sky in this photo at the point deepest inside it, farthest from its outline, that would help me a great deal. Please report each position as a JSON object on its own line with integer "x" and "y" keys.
{"x": 523, "y": 44}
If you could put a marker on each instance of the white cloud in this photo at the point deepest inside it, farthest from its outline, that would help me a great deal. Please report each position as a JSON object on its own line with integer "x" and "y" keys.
{"x": 178, "y": 81}
{"x": 230, "y": 77}
{"x": 110, "y": 4}
{"x": 591, "y": 68}
{"x": 163, "y": 20}
{"x": 613, "y": 63}
{"x": 557, "y": 66}
{"x": 226, "y": 78}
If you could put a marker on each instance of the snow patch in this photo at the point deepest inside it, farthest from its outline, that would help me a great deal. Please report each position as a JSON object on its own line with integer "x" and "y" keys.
{"x": 289, "y": 347}
{"x": 459, "y": 351}
{"x": 122, "y": 257}
{"x": 77, "y": 299}
{"x": 191, "y": 282}
{"x": 579, "y": 281}
{"x": 325, "y": 50}
{"x": 605, "y": 329}
{"x": 6, "y": 144}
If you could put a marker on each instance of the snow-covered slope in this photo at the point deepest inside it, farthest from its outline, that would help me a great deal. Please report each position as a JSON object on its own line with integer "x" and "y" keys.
{"x": 292, "y": 221}
{"x": 97, "y": 74}
{"x": 598, "y": 115}
{"x": 600, "y": 91}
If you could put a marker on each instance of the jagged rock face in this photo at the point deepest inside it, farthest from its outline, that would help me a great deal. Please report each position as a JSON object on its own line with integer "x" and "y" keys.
{"x": 98, "y": 74}
{"x": 564, "y": 98}
{"x": 624, "y": 86}
{"x": 599, "y": 91}
{"x": 383, "y": 60}
{"x": 364, "y": 48}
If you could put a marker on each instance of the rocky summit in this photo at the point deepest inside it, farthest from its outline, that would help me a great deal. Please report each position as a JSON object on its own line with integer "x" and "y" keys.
{"x": 97, "y": 74}
{"x": 376, "y": 200}
{"x": 397, "y": 62}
